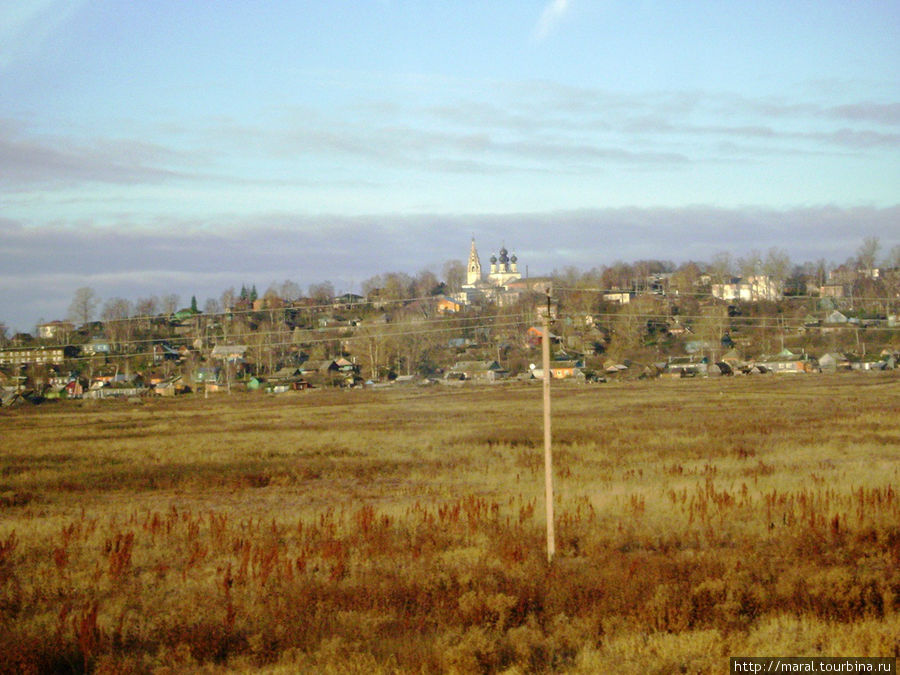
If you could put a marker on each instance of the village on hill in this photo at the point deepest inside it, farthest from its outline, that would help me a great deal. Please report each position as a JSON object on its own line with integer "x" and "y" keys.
{"x": 754, "y": 316}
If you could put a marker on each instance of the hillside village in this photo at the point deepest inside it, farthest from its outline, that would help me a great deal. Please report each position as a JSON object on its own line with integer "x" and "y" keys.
{"x": 755, "y": 316}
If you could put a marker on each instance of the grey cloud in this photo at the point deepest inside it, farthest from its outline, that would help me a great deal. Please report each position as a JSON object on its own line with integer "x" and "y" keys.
{"x": 881, "y": 113}
{"x": 27, "y": 161}
{"x": 41, "y": 267}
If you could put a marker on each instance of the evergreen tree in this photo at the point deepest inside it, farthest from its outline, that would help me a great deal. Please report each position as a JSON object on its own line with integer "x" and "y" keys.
{"x": 253, "y": 294}
{"x": 194, "y": 308}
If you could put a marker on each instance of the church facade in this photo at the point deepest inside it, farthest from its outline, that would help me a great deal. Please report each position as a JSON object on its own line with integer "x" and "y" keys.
{"x": 503, "y": 270}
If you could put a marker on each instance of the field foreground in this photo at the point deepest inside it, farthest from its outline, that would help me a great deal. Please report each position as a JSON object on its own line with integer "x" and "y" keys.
{"x": 402, "y": 531}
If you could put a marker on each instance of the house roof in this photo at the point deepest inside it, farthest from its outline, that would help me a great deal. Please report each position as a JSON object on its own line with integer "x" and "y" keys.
{"x": 475, "y": 366}
{"x": 782, "y": 357}
{"x": 319, "y": 366}
{"x": 226, "y": 350}
{"x": 285, "y": 373}
{"x": 558, "y": 365}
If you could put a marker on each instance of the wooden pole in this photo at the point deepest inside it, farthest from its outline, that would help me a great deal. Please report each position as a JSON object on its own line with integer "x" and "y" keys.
{"x": 548, "y": 457}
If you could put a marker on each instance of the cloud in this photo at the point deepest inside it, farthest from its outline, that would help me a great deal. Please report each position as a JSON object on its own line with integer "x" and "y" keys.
{"x": 881, "y": 113}
{"x": 28, "y": 161}
{"x": 27, "y": 25}
{"x": 550, "y": 18}
{"x": 40, "y": 267}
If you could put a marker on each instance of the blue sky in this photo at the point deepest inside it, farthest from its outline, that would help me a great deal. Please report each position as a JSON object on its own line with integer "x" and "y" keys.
{"x": 170, "y": 146}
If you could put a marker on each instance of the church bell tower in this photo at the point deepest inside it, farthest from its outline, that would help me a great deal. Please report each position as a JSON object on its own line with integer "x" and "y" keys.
{"x": 473, "y": 270}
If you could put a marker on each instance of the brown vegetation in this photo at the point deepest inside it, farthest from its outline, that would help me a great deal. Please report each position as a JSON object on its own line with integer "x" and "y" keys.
{"x": 402, "y": 531}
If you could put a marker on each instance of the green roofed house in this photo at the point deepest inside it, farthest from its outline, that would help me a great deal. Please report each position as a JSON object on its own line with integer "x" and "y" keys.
{"x": 786, "y": 362}
{"x": 184, "y": 314}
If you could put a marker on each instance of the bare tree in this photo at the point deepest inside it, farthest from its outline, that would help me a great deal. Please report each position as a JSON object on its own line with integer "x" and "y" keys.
{"x": 721, "y": 268}
{"x": 227, "y": 299}
{"x": 776, "y": 266}
{"x": 685, "y": 278}
{"x": 290, "y": 290}
{"x": 84, "y": 304}
{"x": 893, "y": 259}
{"x": 169, "y": 303}
{"x": 397, "y": 286}
{"x": 867, "y": 253}
{"x": 711, "y": 327}
{"x": 322, "y": 293}
{"x": 144, "y": 311}
{"x": 454, "y": 275}
{"x": 146, "y": 307}
{"x": 212, "y": 306}
{"x": 116, "y": 321}
{"x": 425, "y": 283}
{"x": 822, "y": 268}
{"x": 751, "y": 264}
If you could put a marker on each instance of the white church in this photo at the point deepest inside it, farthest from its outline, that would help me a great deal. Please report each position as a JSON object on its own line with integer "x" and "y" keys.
{"x": 504, "y": 268}
{"x": 503, "y": 284}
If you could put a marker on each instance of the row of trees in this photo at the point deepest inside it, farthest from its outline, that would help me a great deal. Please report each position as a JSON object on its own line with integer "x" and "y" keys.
{"x": 774, "y": 263}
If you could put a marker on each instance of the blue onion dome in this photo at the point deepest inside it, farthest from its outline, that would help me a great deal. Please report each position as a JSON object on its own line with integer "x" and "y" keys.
{"x": 503, "y": 257}
{"x": 494, "y": 259}
{"x": 513, "y": 258}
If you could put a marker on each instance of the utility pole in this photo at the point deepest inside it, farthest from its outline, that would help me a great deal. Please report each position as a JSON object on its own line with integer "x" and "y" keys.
{"x": 548, "y": 456}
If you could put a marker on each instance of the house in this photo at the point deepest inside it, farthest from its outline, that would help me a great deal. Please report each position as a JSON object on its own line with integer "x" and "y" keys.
{"x": 171, "y": 387}
{"x": 286, "y": 379}
{"x": 833, "y": 291}
{"x": 55, "y": 330}
{"x": 476, "y": 371}
{"x": 117, "y": 390}
{"x": 676, "y": 328}
{"x": 696, "y": 346}
{"x": 445, "y": 305}
{"x": 685, "y": 366}
{"x": 183, "y": 315}
{"x": 786, "y": 362}
{"x": 323, "y": 371}
{"x": 619, "y": 297}
{"x": 836, "y": 318}
{"x": 613, "y": 368}
{"x": 96, "y": 346}
{"x": 561, "y": 370}
{"x": 320, "y": 367}
{"x": 752, "y": 289}
{"x": 230, "y": 353}
{"x": 535, "y": 334}
{"x": 164, "y": 352}
{"x": 333, "y": 321}
{"x": 831, "y": 362}
{"x": 733, "y": 358}
{"x": 347, "y": 300}
{"x": 205, "y": 375}
{"x": 74, "y": 389}
{"x": 38, "y": 355}
{"x": 868, "y": 363}
{"x": 346, "y": 366}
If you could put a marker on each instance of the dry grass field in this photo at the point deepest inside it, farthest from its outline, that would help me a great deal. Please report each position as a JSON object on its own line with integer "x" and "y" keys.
{"x": 402, "y": 531}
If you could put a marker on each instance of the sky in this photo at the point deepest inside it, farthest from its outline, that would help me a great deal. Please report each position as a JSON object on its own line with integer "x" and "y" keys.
{"x": 161, "y": 147}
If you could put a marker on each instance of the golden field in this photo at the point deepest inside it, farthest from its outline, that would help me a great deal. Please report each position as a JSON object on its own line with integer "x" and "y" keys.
{"x": 403, "y": 530}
